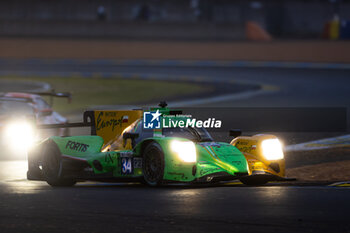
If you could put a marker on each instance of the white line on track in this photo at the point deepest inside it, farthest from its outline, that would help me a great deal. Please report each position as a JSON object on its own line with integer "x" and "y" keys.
{"x": 326, "y": 143}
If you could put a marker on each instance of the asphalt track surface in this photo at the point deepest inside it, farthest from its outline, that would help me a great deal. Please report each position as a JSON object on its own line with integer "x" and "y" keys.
{"x": 90, "y": 207}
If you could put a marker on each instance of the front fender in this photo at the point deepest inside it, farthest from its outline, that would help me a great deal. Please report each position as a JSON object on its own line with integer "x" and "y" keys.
{"x": 220, "y": 157}
{"x": 212, "y": 158}
{"x": 258, "y": 164}
{"x": 174, "y": 168}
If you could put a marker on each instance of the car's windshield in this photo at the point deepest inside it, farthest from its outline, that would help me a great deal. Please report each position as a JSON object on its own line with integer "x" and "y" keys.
{"x": 194, "y": 134}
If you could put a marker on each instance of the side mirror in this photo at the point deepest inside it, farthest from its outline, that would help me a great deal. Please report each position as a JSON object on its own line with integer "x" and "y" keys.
{"x": 132, "y": 136}
{"x": 235, "y": 133}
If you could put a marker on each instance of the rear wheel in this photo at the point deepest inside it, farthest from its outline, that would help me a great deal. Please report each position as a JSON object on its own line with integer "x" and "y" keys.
{"x": 153, "y": 164}
{"x": 254, "y": 180}
{"x": 52, "y": 168}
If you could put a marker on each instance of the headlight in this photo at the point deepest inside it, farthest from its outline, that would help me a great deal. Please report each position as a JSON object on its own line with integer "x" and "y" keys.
{"x": 20, "y": 135}
{"x": 186, "y": 150}
{"x": 272, "y": 149}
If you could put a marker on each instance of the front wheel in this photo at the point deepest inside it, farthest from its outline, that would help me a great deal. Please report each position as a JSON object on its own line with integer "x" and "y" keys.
{"x": 52, "y": 166}
{"x": 153, "y": 164}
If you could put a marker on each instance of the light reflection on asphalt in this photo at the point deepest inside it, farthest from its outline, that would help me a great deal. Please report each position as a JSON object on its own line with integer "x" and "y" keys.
{"x": 13, "y": 170}
{"x": 14, "y": 174}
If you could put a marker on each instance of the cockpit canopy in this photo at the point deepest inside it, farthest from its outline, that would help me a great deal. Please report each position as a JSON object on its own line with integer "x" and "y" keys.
{"x": 191, "y": 133}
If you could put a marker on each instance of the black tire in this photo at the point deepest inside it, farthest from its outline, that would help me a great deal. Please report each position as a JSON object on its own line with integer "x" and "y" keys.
{"x": 34, "y": 172}
{"x": 254, "y": 180}
{"x": 52, "y": 168}
{"x": 153, "y": 164}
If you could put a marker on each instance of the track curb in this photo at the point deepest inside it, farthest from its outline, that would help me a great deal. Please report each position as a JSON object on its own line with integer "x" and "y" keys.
{"x": 341, "y": 184}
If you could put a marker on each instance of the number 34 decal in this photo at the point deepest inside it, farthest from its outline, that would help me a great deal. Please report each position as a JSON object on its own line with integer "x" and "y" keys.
{"x": 127, "y": 166}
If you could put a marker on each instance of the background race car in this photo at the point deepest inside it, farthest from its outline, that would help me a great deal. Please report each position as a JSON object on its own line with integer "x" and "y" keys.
{"x": 44, "y": 113}
{"x": 19, "y": 113}
{"x": 264, "y": 154}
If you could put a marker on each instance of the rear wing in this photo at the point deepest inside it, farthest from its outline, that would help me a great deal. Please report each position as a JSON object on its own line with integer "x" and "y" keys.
{"x": 52, "y": 94}
{"x": 107, "y": 124}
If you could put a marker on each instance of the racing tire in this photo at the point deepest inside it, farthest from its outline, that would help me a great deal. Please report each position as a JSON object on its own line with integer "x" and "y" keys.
{"x": 254, "y": 180}
{"x": 52, "y": 166}
{"x": 153, "y": 165}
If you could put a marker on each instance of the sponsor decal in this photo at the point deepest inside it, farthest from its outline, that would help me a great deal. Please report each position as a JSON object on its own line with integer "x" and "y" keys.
{"x": 112, "y": 122}
{"x": 125, "y": 119}
{"x": 108, "y": 158}
{"x": 81, "y": 147}
{"x": 137, "y": 162}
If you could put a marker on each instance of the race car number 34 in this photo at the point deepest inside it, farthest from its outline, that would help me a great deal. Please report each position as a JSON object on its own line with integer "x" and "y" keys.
{"x": 127, "y": 167}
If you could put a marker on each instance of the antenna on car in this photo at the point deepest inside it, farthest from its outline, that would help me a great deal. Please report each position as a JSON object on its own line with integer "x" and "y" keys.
{"x": 162, "y": 104}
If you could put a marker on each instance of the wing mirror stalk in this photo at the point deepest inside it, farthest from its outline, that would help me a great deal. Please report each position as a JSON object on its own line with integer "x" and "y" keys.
{"x": 131, "y": 136}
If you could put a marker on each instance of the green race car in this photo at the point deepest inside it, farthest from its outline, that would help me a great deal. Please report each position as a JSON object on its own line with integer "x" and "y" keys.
{"x": 123, "y": 148}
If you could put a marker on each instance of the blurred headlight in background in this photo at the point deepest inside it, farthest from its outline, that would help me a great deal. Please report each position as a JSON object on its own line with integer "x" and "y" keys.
{"x": 186, "y": 150}
{"x": 19, "y": 135}
{"x": 272, "y": 149}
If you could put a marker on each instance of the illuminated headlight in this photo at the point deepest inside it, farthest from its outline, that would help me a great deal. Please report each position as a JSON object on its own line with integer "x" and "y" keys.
{"x": 186, "y": 150}
{"x": 272, "y": 149}
{"x": 20, "y": 135}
